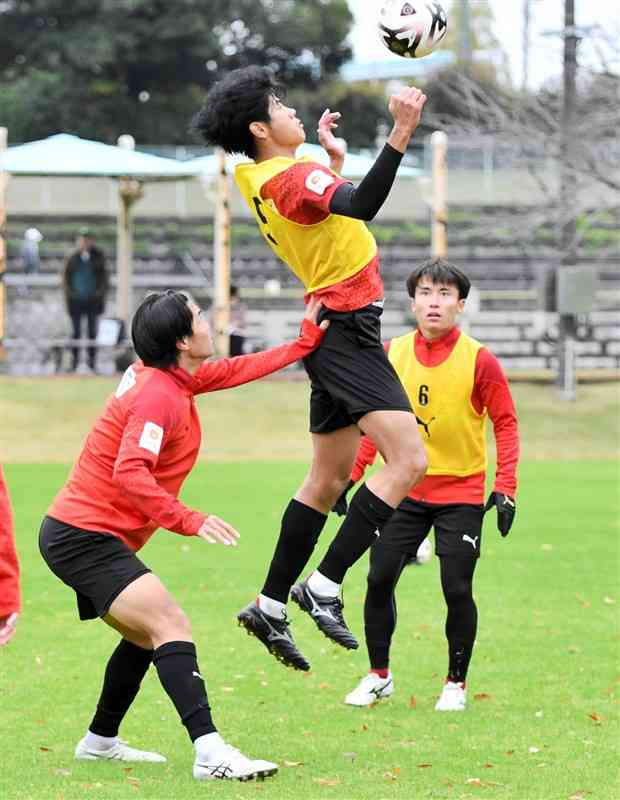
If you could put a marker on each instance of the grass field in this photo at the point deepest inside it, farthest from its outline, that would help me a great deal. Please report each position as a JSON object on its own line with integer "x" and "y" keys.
{"x": 542, "y": 721}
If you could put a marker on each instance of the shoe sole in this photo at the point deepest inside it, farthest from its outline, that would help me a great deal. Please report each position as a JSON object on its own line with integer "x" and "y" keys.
{"x": 249, "y": 623}
{"x": 255, "y": 776}
{"x": 299, "y": 600}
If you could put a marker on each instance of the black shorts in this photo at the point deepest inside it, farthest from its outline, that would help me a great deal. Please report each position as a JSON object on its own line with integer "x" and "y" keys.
{"x": 350, "y": 371}
{"x": 458, "y": 528}
{"x": 98, "y": 566}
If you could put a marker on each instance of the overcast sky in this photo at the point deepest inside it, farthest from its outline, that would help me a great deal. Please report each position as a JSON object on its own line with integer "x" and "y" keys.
{"x": 545, "y": 57}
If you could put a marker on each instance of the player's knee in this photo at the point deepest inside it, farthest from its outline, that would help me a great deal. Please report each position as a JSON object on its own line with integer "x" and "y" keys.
{"x": 457, "y": 591}
{"x": 326, "y": 489}
{"x": 410, "y": 466}
{"x": 173, "y": 624}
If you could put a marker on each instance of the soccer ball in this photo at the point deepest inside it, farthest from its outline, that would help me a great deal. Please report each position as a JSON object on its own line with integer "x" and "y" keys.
{"x": 425, "y": 552}
{"x": 412, "y": 29}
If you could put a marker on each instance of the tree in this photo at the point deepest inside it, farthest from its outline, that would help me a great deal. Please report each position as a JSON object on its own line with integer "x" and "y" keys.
{"x": 141, "y": 66}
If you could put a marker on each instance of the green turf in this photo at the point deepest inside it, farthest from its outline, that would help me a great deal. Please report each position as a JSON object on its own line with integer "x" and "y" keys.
{"x": 542, "y": 721}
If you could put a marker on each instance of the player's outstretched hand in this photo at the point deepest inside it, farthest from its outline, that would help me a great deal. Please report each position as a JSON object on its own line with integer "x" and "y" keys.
{"x": 406, "y": 108}
{"x": 7, "y": 627}
{"x": 312, "y": 312}
{"x": 335, "y": 148}
{"x": 215, "y": 530}
{"x": 341, "y": 505}
{"x": 506, "y": 508}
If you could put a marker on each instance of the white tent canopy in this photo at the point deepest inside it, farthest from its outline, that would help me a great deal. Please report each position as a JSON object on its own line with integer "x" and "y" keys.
{"x": 71, "y": 156}
{"x": 356, "y": 165}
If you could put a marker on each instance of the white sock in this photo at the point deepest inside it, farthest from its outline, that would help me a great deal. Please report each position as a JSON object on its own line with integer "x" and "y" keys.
{"x": 96, "y": 742}
{"x": 209, "y": 747}
{"x": 323, "y": 586}
{"x": 273, "y": 608}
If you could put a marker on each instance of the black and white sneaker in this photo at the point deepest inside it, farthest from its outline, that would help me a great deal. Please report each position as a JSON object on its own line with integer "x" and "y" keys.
{"x": 275, "y": 634}
{"x": 326, "y": 612}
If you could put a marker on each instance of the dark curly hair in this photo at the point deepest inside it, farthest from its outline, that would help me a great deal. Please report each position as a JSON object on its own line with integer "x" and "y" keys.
{"x": 242, "y": 97}
{"x": 439, "y": 271}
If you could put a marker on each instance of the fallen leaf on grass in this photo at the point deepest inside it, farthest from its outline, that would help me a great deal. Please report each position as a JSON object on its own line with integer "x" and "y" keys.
{"x": 45, "y": 749}
{"x": 423, "y": 766}
{"x": 582, "y": 601}
{"x": 293, "y": 763}
{"x": 228, "y": 688}
{"x": 134, "y": 781}
{"x": 63, "y": 772}
{"x": 324, "y": 686}
{"x": 534, "y": 750}
{"x": 350, "y": 756}
{"x": 327, "y": 781}
{"x": 391, "y": 776}
{"x": 364, "y": 727}
{"x": 413, "y": 703}
{"x": 482, "y": 696}
{"x": 595, "y": 718}
{"x": 474, "y": 781}
{"x": 579, "y": 795}
{"x": 488, "y": 766}
{"x": 538, "y": 714}
{"x": 510, "y": 752}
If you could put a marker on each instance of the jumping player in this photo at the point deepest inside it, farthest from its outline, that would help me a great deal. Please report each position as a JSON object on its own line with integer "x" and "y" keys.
{"x": 313, "y": 220}
{"x": 454, "y": 383}
{"x": 10, "y": 598}
{"x": 124, "y": 486}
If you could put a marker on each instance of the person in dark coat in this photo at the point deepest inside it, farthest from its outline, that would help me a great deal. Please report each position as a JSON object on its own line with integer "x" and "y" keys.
{"x": 85, "y": 283}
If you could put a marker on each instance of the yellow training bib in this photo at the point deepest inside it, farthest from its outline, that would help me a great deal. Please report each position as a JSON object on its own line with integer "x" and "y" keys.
{"x": 321, "y": 254}
{"x": 452, "y": 430}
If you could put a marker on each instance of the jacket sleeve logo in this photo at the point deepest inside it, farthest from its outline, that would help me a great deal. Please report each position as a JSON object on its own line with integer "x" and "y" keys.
{"x": 318, "y": 181}
{"x": 151, "y": 438}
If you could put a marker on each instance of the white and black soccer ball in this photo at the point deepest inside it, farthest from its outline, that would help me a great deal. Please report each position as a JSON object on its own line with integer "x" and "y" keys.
{"x": 412, "y": 29}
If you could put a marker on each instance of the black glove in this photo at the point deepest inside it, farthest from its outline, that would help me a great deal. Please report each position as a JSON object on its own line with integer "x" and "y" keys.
{"x": 341, "y": 505}
{"x": 506, "y": 509}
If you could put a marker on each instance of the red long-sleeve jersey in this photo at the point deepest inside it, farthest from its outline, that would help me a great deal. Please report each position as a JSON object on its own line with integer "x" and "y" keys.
{"x": 128, "y": 476}
{"x": 491, "y": 393}
{"x": 10, "y": 598}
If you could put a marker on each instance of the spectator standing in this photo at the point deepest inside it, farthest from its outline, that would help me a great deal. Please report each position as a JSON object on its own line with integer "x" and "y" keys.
{"x": 85, "y": 283}
{"x": 238, "y": 322}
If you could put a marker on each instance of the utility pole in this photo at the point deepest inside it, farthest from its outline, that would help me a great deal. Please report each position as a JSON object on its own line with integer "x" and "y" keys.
{"x": 465, "y": 35}
{"x": 526, "y": 45}
{"x": 439, "y": 238}
{"x": 567, "y": 222}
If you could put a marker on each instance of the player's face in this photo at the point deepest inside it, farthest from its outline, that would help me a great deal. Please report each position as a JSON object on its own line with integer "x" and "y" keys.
{"x": 436, "y": 307}
{"x": 285, "y": 128}
{"x": 200, "y": 343}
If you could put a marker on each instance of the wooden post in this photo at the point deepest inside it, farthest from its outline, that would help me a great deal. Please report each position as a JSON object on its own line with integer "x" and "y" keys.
{"x": 129, "y": 191}
{"x": 439, "y": 238}
{"x": 3, "y": 183}
{"x": 221, "y": 259}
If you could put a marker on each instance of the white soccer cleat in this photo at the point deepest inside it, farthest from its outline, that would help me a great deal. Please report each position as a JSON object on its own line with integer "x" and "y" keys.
{"x": 370, "y": 689}
{"x": 232, "y": 765}
{"x": 118, "y": 752}
{"x": 453, "y": 697}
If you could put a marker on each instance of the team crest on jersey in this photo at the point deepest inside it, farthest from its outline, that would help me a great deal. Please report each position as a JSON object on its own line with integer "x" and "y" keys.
{"x": 152, "y": 437}
{"x": 407, "y": 10}
{"x": 128, "y": 381}
{"x": 318, "y": 181}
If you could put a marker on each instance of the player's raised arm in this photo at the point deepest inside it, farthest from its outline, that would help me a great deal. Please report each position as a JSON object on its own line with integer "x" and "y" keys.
{"x": 228, "y": 372}
{"x": 365, "y": 200}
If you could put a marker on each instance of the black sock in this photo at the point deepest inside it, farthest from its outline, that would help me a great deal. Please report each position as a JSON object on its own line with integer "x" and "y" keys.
{"x": 127, "y": 666}
{"x": 462, "y": 620}
{"x": 367, "y": 514}
{"x": 299, "y": 533}
{"x": 178, "y": 672}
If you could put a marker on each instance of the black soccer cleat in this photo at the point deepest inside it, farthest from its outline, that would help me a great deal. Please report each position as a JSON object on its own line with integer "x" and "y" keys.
{"x": 326, "y": 612}
{"x": 274, "y": 634}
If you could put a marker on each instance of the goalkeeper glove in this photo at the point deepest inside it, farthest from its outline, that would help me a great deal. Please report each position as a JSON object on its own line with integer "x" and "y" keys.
{"x": 341, "y": 505}
{"x": 506, "y": 509}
